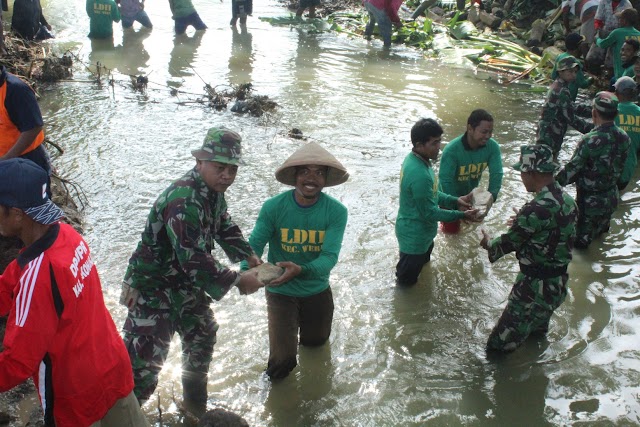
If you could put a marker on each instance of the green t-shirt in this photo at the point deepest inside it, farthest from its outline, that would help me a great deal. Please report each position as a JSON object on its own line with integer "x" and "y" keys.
{"x": 181, "y": 8}
{"x": 628, "y": 120}
{"x": 419, "y": 212}
{"x": 308, "y": 236}
{"x": 102, "y": 15}
{"x": 615, "y": 40}
{"x": 461, "y": 167}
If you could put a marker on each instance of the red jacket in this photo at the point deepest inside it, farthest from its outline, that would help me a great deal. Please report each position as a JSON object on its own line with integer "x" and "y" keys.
{"x": 60, "y": 332}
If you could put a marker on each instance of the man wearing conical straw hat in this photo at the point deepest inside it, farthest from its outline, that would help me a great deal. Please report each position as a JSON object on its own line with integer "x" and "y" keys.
{"x": 303, "y": 228}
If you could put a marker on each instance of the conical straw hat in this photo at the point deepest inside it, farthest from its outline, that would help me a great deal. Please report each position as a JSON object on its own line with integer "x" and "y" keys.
{"x": 312, "y": 154}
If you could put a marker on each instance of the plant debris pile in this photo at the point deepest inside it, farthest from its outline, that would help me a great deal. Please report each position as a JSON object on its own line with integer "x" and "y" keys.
{"x": 244, "y": 101}
{"x": 34, "y": 62}
{"x": 55, "y": 69}
{"x": 139, "y": 83}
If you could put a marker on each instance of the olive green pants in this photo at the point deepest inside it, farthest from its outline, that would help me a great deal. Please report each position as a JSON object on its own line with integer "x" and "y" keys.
{"x": 124, "y": 413}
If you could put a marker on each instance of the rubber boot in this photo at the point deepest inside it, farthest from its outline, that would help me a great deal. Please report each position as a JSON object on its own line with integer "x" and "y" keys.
{"x": 194, "y": 392}
{"x": 420, "y": 9}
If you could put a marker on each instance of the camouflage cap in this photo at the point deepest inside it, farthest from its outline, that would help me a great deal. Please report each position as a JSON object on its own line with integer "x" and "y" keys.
{"x": 536, "y": 158}
{"x": 220, "y": 145}
{"x": 606, "y": 102}
{"x": 567, "y": 63}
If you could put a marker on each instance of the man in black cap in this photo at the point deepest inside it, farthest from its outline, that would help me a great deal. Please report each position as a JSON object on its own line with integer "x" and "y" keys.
{"x": 59, "y": 331}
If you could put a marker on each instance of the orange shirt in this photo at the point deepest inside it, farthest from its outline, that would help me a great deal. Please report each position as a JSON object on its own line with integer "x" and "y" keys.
{"x": 9, "y": 133}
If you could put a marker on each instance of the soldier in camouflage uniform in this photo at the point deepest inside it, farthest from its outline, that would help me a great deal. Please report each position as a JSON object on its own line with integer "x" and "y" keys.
{"x": 172, "y": 276}
{"x": 595, "y": 167}
{"x": 559, "y": 111}
{"x": 541, "y": 234}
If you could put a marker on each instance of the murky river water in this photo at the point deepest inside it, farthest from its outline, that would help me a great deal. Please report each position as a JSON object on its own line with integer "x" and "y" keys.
{"x": 396, "y": 358}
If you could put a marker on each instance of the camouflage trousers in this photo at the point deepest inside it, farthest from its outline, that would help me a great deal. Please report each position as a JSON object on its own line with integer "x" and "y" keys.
{"x": 594, "y": 214}
{"x": 531, "y": 303}
{"x": 150, "y": 326}
{"x": 552, "y": 136}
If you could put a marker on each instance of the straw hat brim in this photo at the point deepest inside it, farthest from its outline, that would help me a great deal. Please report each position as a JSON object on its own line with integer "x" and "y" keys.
{"x": 312, "y": 154}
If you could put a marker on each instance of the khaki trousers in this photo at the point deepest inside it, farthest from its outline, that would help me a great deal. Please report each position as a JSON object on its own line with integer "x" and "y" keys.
{"x": 124, "y": 413}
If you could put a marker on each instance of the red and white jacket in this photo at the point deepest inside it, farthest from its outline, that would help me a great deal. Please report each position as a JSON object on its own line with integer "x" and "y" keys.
{"x": 60, "y": 332}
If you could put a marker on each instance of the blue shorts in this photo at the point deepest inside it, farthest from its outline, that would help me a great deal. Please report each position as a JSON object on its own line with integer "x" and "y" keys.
{"x": 141, "y": 17}
{"x": 193, "y": 19}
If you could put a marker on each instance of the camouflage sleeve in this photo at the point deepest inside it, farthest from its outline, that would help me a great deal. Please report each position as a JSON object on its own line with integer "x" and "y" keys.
{"x": 184, "y": 230}
{"x": 262, "y": 232}
{"x": 524, "y": 226}
{"x": 570, "y": 172}
{"x": 231, "y": 240}
{"x": 583, "y": 110}
{"x": 569, "y": 112}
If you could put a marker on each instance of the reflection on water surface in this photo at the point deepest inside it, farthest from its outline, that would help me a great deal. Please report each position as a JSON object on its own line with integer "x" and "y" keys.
{"x": 412, "y": 357}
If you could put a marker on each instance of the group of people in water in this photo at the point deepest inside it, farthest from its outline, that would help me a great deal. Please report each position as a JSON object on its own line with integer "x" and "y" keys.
{"x": 60, "y": 333}
{"x": 544, "y": 232}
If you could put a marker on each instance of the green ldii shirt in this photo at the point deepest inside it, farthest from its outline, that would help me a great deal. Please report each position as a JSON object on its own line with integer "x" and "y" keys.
{"x": 308, "y": 236}
{"x": 615, "y": 40}
{"x": 628, "y": 120}
{"x": 461, "y": 167}
{"x": 102, "y": 15}
{"x": 181, "y": 8}
{"x": 419, "y": 212}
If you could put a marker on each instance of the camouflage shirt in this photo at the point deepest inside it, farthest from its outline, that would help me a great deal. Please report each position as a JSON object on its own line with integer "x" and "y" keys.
{"x": 543, "y": 232}
{"x": 179, "y": 235}
{"x": 598, "y": 160}
{"x": 558, "y": 112}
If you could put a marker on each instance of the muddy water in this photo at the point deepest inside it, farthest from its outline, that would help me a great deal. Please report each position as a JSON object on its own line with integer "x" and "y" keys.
{"x": 412, "y": 357}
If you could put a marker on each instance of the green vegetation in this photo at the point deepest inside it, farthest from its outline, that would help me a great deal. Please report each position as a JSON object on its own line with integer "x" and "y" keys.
{"x": 488, "y": 52}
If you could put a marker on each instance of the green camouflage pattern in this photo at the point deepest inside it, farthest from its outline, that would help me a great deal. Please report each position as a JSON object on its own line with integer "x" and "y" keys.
{"x": 542, "y": 236}
{"x": 529, "y": 309}
{"x": 595, "y": 167}
{"x": 178, "y": 277}
{"x": 606, "y": 102}
{"x": 181, "y": 230}
{"x": 557, "y": 114}
{"x": 543, "y": 231}
{"x": 536, "y": 158}
{"x": 567, "y": 63}
{"x": 150, "y": 326}
{"x": 220, "y": 145}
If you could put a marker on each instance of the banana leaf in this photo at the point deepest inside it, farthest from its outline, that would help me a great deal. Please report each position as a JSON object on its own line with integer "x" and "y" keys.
{"x": 442, "y": 41}
{"x": 282, "y": 20}
{"x": 453, "y": 21}
{"x": 463, "y": 30}
{"x": 310, "y": 25}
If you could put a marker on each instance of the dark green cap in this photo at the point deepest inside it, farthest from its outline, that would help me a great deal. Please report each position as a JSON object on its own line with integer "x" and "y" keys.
{"x": 536, "y": 158}
{"x": 567, "y": 63}
{"x": 220, "y": 145}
